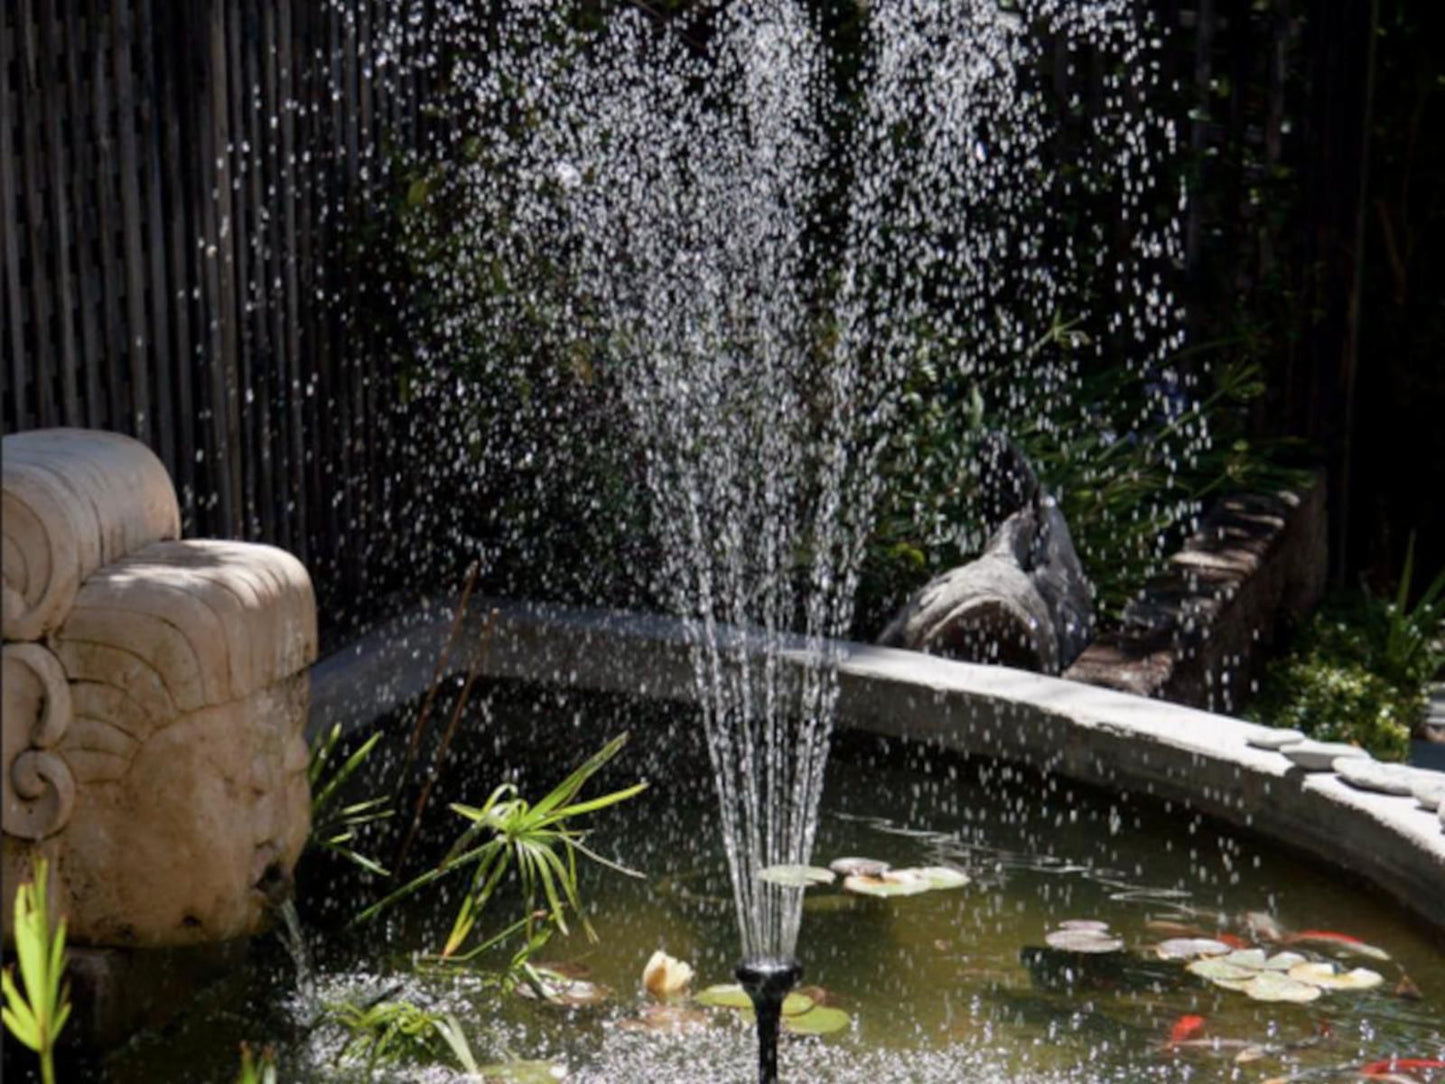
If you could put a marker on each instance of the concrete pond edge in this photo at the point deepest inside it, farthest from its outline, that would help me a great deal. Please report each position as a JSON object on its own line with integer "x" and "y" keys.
{"x": 1117, "y": 740}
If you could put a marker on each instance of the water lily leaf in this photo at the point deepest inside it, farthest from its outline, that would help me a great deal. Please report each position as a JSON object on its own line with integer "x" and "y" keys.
{"x": 796, "y": 876}
{"x": 1219, "y": 970}
{"x": 797, "y": 1003}
{"x": 820, "y": 1020}
{"x": 859, "y": 867}
{"x": 878, "y": 886}
{"x": 928, "y": 876}
{"x": 1328, "y": 977}
{"x": 1273, "y": 986}
{"x": 523, "y": 1072}
{"x": 1093, "y": 925}
{"x": 561, "y": 990}
{"x": 1252, "y": 959}
{"x": 1090, "y": 941}
{"x": 1190, "y": 948}
{"x": 725, "y": 996}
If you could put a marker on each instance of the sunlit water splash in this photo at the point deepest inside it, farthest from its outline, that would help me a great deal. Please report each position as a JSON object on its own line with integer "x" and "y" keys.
{"x": 294, "y": 938}
{"x": 759, "y": 269}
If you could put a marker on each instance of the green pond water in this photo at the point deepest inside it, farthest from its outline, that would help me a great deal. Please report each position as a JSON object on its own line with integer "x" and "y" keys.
{"x": 948, "y": 985}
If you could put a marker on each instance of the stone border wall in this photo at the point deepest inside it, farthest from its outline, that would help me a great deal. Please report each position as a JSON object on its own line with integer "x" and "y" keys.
{"x": 1124, "y": 742}
{"x": 1200, "y": 632}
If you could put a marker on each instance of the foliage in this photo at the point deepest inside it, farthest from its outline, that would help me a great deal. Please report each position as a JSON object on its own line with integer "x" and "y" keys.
{"x": 257, "y": 1068}
{"x": 334, "y": 827}
{"x": 37, "y": 1016}
{"x": 540, "y": 843}
{"x": 1130, "y": 459}
{"x": 385, "y": 1031}
{"x": 1358, "y": 672}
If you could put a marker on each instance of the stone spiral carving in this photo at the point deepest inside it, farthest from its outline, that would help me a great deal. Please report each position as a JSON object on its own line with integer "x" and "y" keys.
{"x": 39, "y": 786}
{"x": 155, "y": 700}
{"x": 74, "y": 500}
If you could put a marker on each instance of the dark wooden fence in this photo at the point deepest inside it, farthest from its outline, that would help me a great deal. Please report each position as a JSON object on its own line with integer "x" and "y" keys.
{"x": 186, "y": 189}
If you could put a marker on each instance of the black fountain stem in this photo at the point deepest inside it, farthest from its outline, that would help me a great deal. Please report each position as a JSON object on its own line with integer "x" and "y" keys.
{"x": 767, "y": 980}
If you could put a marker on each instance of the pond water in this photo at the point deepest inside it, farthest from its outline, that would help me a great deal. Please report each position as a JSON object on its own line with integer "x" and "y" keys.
{"x": 954, "y": 984}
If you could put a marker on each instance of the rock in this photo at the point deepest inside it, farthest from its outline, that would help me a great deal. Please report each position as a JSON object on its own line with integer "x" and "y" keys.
{"x": 1024, "y": 602}
{"x": 1320, "y": 756}
{"x": 153, "y": 743}
{"x": 1275, "y": 738}
{"x": 1398, "y": 779}
{"x": 1429, "y": 790}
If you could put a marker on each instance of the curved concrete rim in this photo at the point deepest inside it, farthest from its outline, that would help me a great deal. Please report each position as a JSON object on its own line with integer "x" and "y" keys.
{"x": 1126, "y": 743}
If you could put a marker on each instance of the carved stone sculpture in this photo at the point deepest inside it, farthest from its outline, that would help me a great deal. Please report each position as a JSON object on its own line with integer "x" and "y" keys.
{"x": 154, "y": 703}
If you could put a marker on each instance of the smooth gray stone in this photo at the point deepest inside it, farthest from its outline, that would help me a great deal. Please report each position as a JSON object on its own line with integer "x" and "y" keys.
{"x": 1275, "y": 738}
{"x": 1396, "y": 779}
{"x": 1320, "y": 756}
{"x": 1430, "y": 791}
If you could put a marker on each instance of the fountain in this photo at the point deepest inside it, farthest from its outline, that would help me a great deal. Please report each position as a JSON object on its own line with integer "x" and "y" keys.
{"x": 757, "y": 269}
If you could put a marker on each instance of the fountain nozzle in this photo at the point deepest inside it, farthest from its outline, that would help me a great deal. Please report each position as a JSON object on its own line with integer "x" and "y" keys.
{"x": 766, "y": 980}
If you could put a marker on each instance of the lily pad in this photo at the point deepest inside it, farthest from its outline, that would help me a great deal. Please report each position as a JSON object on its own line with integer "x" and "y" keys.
{"x": 1086, "y": 941}
{"x": 724, "y": 996}
{"x": 1328, "y": 977}
{"x": 859, "y": 867}
{"x": 796, "y": 876}
{"x": 931, "y": 876}
{"x": 1220, "y": 972}
{"x": 1274, "y": 986}
{"x": 797, "y": 1003}
{"x": 819, "y": 1020}
{"x": 561, "y": 990}
{"x": 1092, "y": 925}
{"x": 880, "y": 886}
{"x": 1190, "y": 948}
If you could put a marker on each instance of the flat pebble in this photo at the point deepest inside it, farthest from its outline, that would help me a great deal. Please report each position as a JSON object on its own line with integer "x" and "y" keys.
{"x": 1273, "y": 738}
{"x": 1372, "y": 775}
{"x": 1320, "y": 756}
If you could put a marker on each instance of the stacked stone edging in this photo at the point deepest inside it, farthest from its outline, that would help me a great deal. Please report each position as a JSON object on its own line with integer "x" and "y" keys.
{"x": 1200, "y": 632}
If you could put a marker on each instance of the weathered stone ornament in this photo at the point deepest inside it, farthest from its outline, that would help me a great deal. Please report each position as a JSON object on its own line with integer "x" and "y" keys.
{"x": 155, "y": 697}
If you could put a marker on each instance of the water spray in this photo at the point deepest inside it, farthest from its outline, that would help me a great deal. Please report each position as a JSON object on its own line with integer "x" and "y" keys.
{"x": 766, "y": 980}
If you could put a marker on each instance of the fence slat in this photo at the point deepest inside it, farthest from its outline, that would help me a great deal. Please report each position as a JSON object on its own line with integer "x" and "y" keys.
{"x": 134, "y": 231}
{"x": 158, "y": 288}
{"x": 82, "y": 177}
{"x": 62, "y": 240}
{"x": 40, "y": 277}
{"x": 13, "y": 303}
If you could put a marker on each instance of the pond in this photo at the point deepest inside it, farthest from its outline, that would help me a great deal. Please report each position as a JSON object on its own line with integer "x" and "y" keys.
{"x": 951, "y": 984}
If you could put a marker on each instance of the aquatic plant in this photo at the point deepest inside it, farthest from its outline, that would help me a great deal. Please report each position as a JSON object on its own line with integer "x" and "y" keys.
{"x": 257, "y": 1068}
{"x": 540, "y": 842}
{"x": 36, "y": 1016}
{"x": 335, "y": 827}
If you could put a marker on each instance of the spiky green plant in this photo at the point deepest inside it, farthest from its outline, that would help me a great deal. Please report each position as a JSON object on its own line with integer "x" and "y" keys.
{"x": 257, "y": 1068}
{"x": 36, "y": 1016}
{"x": 334, "y": 827}
{"x": 540, "y": 842}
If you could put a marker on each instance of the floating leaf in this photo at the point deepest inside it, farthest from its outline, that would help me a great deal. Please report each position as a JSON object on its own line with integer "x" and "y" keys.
{"x": 1090, "y": 941}
{"x": 560, "y": 990}
{"x": 725, "y": 996}
{"x": 1090, "y": 925}
{"x": 1190, "y": 948}
{"x": 1406, "y": 989}
{"x": 665, "y": 976}
{"x": 1327, "y": 977}
{"x": 797, "y": 1003}
{"x": 1273, "y": 986}
{"x": 796, "y": 876}
{"x": 1219, "y": 971}
{"x": 859, "y": 867}
{"x": 820, "y": 1020}
{"x": 878, "y": 886}
{"x": 930, "y": 876}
